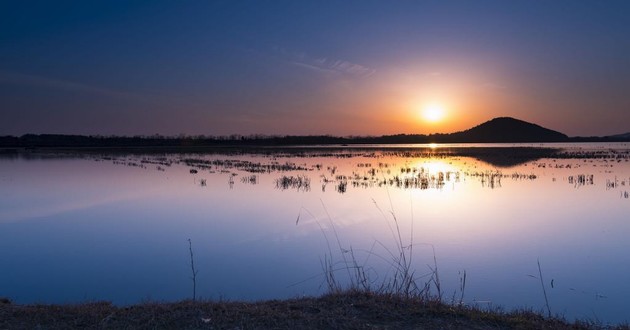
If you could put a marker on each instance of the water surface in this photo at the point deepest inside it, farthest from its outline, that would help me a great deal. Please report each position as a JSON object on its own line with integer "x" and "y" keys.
{"x": 115, "y": 226}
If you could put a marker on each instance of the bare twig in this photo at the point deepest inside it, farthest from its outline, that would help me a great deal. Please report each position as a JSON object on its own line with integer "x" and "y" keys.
{"x": 462, "y": 287}
{"x": 192, "y": 268}
{"x": 542, "y": 283}
{"x": 436, "y": 276}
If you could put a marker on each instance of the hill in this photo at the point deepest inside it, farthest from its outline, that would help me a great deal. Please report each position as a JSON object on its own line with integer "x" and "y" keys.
{"x": 507, "y": 129}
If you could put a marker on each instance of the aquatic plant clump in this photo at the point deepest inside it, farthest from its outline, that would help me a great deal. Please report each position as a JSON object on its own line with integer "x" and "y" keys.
{"x": 299, "y": 182}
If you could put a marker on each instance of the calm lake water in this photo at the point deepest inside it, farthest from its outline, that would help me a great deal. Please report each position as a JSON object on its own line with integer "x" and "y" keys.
{"x": 115, "y": 226}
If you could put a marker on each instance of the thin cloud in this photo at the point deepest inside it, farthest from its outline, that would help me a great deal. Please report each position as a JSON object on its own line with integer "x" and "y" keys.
{"x": 311, "y": 67}
{"x": 325, "y": 64}
{"x": 25, "y": 79}
{"x": 350, "y": 68}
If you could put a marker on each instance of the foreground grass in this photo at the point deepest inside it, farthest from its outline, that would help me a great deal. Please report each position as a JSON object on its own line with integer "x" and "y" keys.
{"x": 348, "y": 310}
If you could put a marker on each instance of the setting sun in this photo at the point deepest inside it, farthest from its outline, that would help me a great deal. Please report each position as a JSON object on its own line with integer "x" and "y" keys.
{"x": 433, "y": 112}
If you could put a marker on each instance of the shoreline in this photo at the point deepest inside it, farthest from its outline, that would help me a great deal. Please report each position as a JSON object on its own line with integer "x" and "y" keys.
{"x": 345, "y": 310}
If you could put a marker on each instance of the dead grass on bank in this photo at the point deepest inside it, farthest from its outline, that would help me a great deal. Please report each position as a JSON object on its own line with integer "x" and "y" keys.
{"x": 347, "y": 310}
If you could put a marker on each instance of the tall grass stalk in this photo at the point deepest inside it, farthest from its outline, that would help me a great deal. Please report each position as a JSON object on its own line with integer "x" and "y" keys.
{"x": 194, "y": 272}
{"x": 436, "y": 276}
{"x": 462, "y": 287}
{"x": 341, "y": 249}
{"x": 327, "y": 263}
{"x": 400, "y": 279}
{"x": 542, "y": 283}
{"x": 403, "y": 280}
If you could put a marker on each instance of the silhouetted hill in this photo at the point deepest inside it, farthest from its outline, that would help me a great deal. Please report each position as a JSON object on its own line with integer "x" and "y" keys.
{"x": 506, "y": 129}
{"x": 625, "y": 136}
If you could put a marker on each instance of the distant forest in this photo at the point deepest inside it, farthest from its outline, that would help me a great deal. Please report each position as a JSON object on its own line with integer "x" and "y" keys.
{"x": 80, "y": 141}
{"x": 55, "y": 140}
{"x": 497, "y": 130}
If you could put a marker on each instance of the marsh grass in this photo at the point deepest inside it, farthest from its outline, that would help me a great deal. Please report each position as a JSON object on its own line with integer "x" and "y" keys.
{"x": 344, "y": 269}
{"x": 344, "y": 273}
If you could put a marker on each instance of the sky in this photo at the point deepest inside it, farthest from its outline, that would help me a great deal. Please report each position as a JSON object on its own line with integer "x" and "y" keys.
{"x": 312, "y": 67}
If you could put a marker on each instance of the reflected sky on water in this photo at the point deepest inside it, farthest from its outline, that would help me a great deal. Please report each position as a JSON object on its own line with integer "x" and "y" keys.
{"x": 98, "y": 226}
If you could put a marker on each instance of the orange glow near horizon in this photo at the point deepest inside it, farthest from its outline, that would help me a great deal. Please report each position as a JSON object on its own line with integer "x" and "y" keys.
{"x": 444, "y": 104}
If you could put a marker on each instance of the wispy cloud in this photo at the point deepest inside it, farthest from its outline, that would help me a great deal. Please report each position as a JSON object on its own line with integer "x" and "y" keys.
{"x": 33, "y": 80}
{"x": 325, "y": 64}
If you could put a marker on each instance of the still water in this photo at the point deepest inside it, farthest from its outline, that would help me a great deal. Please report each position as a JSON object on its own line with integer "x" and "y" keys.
{"x": 263, "y": 223}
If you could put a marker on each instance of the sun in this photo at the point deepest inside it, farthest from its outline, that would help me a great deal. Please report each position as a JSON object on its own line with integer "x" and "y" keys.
{"x": 433, "y": 112}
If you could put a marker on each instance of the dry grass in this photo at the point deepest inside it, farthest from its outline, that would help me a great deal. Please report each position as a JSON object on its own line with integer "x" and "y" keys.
{"x": 347, "y": 310}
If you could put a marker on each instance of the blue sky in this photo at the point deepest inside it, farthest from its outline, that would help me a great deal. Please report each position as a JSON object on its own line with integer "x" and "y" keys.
{"x": 311, "y": 67}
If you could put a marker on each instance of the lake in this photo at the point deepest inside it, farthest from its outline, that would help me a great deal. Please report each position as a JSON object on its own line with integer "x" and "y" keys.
{"x": 267, "y": 223}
